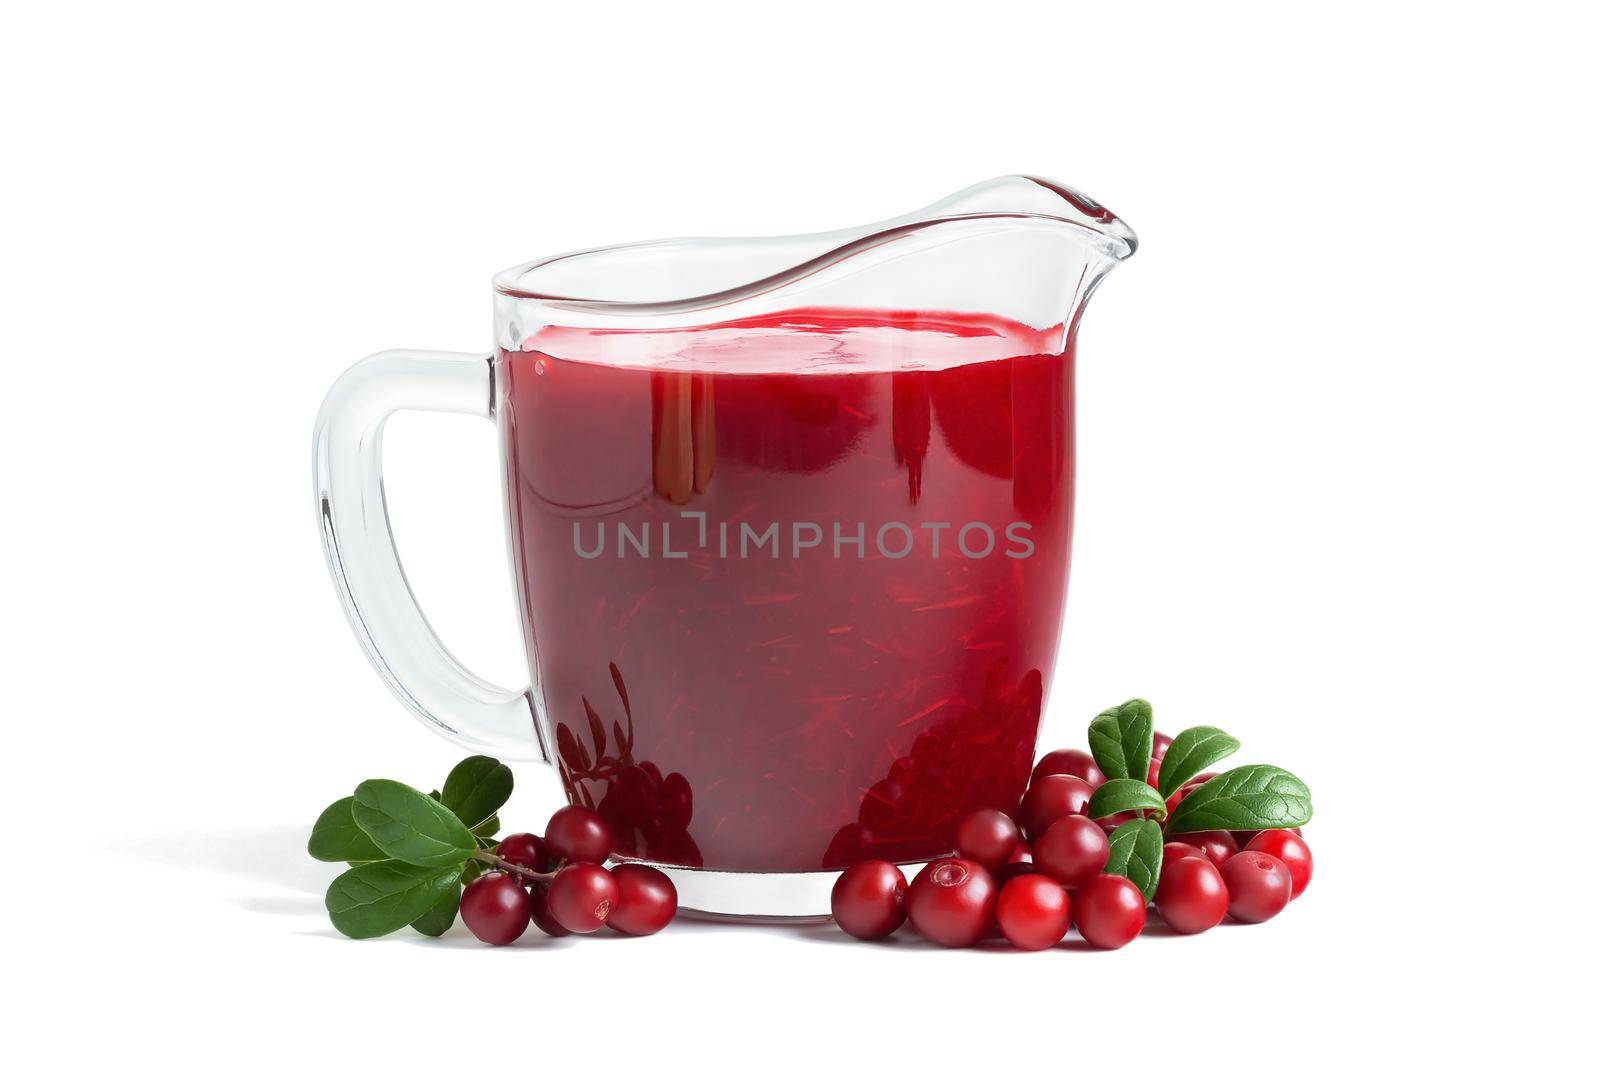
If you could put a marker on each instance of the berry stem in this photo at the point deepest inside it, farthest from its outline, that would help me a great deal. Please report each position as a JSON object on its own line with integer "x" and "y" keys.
{"x": 510, "y": 867}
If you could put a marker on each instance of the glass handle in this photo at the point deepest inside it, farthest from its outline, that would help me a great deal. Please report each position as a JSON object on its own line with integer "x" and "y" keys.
{"x": 361, "y": 553}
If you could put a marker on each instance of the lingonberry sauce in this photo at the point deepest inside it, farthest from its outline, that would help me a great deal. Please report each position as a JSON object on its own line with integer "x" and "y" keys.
{"x": 792, "y": 586}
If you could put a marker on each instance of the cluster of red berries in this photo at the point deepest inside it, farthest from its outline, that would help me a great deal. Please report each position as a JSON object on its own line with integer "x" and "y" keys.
{"x": 558, "y": 882}
{"x": 1034, "y": 876}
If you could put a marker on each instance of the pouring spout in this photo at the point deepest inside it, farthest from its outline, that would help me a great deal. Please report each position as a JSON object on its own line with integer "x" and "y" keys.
{"x": 1023, "y": 247}
{"x": 1029, "y": 196}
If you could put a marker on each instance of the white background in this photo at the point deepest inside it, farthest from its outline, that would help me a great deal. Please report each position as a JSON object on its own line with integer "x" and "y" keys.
{"x": 1338, "y": 494}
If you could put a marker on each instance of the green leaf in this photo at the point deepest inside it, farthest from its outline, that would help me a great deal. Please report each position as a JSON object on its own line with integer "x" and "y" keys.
{"x": 1117, "y": 796}
{"x": 486, "y": 828}
{"x": 1192, "y": 751}
{"x": 1244, "y": 799}
{"x": 410, "y": 826}
{"x": 476, "y": 789}
{"x": 1136, "y": 854}
{"x": 337, "y": 838}
{"x": 442, "y": 915}
{"x": 1121, "y": 739}
{"x": 382, "y": 897}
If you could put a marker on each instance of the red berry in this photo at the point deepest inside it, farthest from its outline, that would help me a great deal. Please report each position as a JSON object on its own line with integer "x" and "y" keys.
{"x": 526, "y": 850}
{"x": 577, "y": 834}
{"x": 539, "y": 898}
{"x": 1191, "y": 896}
{"x": 988, "y": 837}
{"x": 1109, "y": 910}
{"x": 1033, "y": 912}
{"x": 581, "y": 896}
{"x": 496, "y": 908}
{"x": 1159, "y": 743}
{"x": 1072, "y": 850}
{"x": 951, "y": 902}
{"x": 869, "y": 900}
{"x": 1287, "y": 847}
{"x": 1217, "y": 846}
{"x": 1258, "y": 885}
{"x": 1051, "y": 798}
{"x": 1071, "y": 762}
{"x": 1173, "y": 851}
{"x": 646, "y": 900}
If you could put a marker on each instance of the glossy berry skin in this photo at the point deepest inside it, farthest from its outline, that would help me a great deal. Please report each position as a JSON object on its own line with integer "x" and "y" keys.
{"x": 646, "y": 900}
{"x": 526, "y": 850}
{"x": 1051, "y": 798}
{"x": 582, "y": 896}
{"x": 1216, "y": 846}
{"x": 1191, "y": 896}
{"x": 577, "y": 834}
{"x": 496, "y": 908}
{"x": 1072, "y": 850}
{"x": 1034, "y": 912}
{"x": 1258, "y": 886}
{"x": 869, "y": 900}
{"x": 1159, "y": 743}
{"x": 951, "y": 902}
{"x": 1291, "y": 850}
{"x": 988, "y": 837}
{"x": 1109, "y": 910}
{"x": 1071, "y": 762}
{"x": 1173, "y": 851}
{"x": 539, "y": 899}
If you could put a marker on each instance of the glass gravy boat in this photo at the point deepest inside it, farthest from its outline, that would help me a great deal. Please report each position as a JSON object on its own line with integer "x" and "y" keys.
{"x": 790, "y": 520}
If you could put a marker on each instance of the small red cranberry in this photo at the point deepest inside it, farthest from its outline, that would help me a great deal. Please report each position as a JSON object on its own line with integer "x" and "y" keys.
{"x": 951, "y": 902}
{"x": 1071, "y": 762}
{"x": 1034, "y": 912}
{"x": 1051, "y": 798}
{"x": 496, "y": 908}
{"x": 1291, "y": 850}
{"x": 1072, "y": 850}
{"x": 1259, "y": 886}
{"x": 1191, "y": 896}
{"x": 577, "y": 834}
{"x": 869, "y": 900}
{"x": 526, "y": 850}
{"x": 988, "y": 837}
{"x": 582, "y": 895}
{"x": 646, "y": 900}
{"x": 1109, "y": 910}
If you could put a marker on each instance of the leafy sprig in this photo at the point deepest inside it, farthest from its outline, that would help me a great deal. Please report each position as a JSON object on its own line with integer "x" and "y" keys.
{"x": 1246, "y": 799}
{"x": 409, "y": 852}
